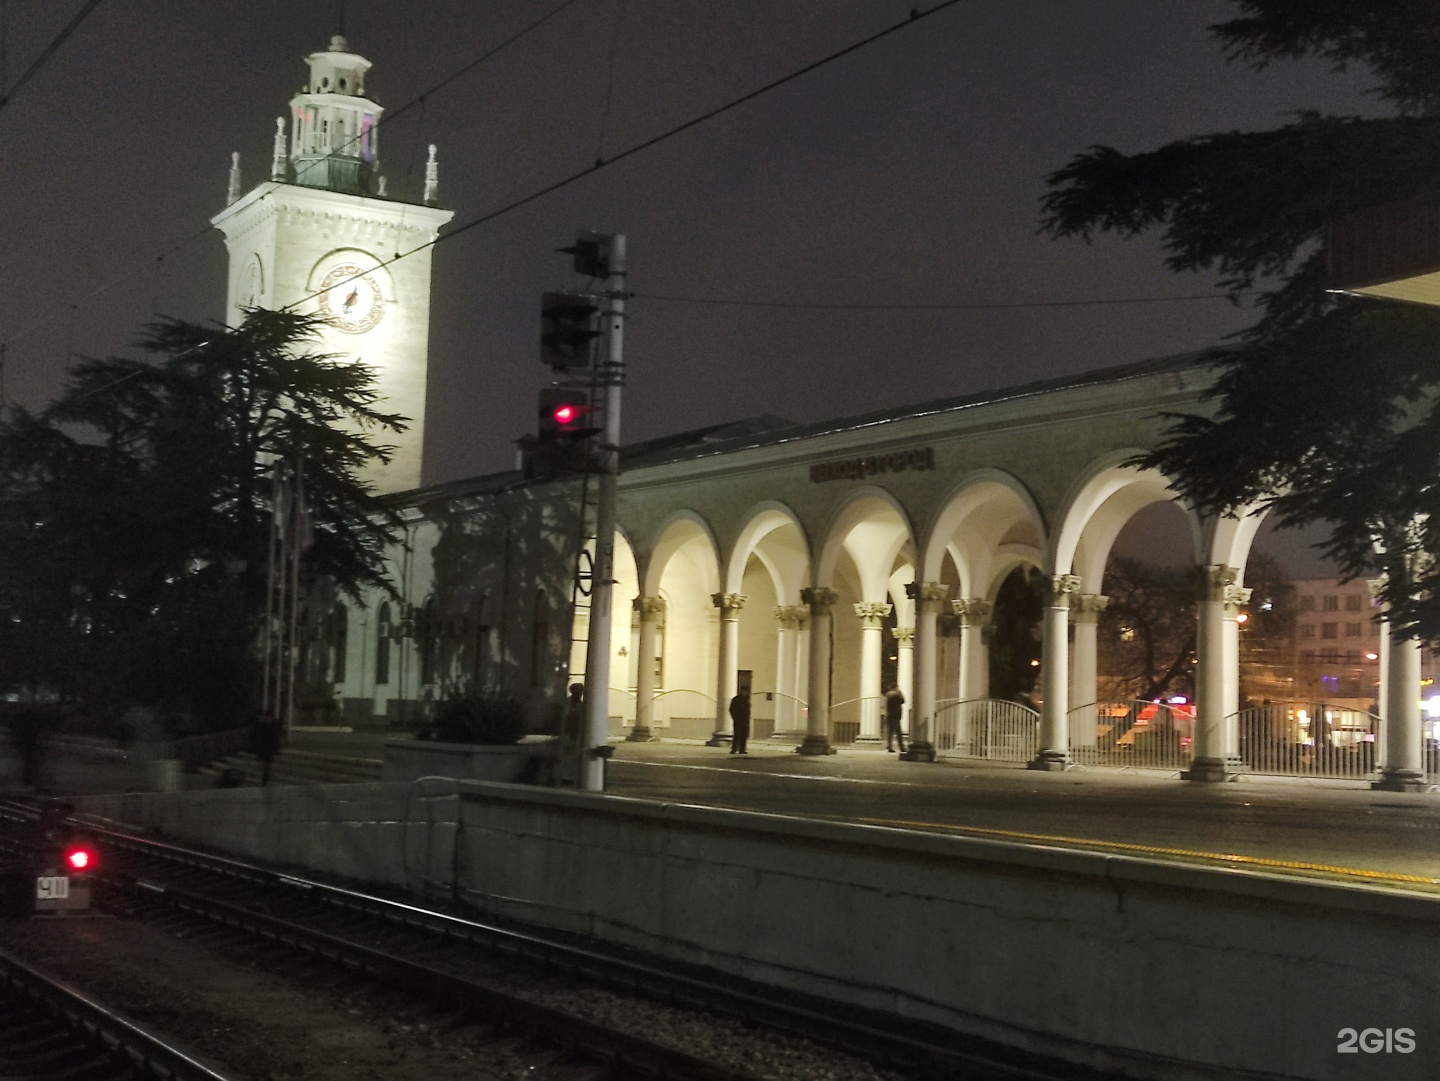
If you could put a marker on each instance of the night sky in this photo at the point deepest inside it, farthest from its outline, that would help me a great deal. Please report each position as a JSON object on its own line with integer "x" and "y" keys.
{"x": 906, "y": 173}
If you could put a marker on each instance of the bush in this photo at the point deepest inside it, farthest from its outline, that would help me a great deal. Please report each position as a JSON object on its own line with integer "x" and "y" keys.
{"x": 484, "y": 719}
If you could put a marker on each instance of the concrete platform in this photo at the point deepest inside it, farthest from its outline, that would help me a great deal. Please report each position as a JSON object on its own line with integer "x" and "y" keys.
{"x": 1320, "y": 828}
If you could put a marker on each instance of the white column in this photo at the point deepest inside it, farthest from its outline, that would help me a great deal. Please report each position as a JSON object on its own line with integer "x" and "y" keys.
{"x": 872, "y": 624}
{"x": 800, "y": 680}
{"x": 1235, "y": 599}
{"x": 905, "y": 671}
{"x": 650, "y": 609}
{"x": 1054, "y": 750}
{"x": 929, "y": 597}
{"x": 975, "y": 615}
{"x": 726, "y": 679}
{"x": 817, "y": 727}
{"x": 1404, "y": 769}
{"x": 1217, "y": 676}
{"x": 1382, "y": 705}
{"x": 1085, "y": 612}
{"x": 787, "y": 685}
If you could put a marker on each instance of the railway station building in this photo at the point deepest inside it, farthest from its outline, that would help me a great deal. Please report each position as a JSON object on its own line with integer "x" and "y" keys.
{"x": 813, "y": 564}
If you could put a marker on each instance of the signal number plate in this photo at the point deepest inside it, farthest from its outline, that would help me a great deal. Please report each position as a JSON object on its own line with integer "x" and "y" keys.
{"x": 52, "y": 888}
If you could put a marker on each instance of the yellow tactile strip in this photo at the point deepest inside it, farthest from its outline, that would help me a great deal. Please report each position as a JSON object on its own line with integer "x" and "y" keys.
{"x": 1260, "y": 862}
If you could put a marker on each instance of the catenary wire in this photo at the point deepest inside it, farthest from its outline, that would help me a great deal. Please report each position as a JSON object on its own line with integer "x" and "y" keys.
{"x": 941, "y": 307}
{"x": 646, "y": 144}
{"x": 390, "y": 115}
{"x": 6, "y": 96}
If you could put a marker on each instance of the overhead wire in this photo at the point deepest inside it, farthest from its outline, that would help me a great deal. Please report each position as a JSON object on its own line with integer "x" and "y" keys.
{"x": 389, "y": 116}
{"x": 943, "y": 307}
{"x": 916, "y": 15}
{"x": 6, "y": 96}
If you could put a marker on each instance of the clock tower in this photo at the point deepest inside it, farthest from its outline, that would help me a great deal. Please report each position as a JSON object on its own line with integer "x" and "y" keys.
{"x": 322, "y": 235}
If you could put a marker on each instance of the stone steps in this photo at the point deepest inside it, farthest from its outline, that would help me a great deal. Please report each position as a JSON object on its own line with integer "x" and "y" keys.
{"x": 292, "y": 767}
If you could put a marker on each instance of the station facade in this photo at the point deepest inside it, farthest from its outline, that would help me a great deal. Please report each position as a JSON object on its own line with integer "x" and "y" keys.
{"x": 812, "y": 565}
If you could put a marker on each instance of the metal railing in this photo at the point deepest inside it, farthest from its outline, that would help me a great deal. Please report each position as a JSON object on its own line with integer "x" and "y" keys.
{"x": 848, "y": 719}
{"x": 987, "y": 728}
{"x": 1309, "y": 739}
{"x": 1135, "y": 735}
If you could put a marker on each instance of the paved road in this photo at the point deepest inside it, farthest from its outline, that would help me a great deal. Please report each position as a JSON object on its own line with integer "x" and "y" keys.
{"x": 1347, "y": 833}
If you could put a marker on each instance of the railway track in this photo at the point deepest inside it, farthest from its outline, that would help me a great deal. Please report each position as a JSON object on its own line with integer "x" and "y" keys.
{"x": 639, "y": 1018}
{"x": 48, "y": 1030}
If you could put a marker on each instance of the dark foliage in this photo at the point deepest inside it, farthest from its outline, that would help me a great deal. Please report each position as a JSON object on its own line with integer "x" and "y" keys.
{"x": 135, "y": 513}
{"x": 1014, "y": 637}
{"x": 493, "y": 719}
{"x": 1324, "y": 409}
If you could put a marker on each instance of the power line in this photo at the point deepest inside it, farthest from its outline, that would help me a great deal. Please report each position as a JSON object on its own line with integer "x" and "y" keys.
{"x": 48, "y": 52}
{"x": 997, "y": 306}
{"x": 389, "y": 115}
{"x": 915, "y": 16}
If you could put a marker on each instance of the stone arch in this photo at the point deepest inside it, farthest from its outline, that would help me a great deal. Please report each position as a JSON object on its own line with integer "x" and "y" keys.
{"x": 762, "y": 521}
{"x": 861, "y": 507}
{"x": 1097, "y": 507}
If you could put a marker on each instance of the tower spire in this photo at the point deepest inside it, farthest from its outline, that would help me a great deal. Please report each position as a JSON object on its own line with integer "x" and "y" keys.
{"x": 234, "y": 190}
{"x": 332, "y": 135}
{"x": 432, "y": 178}
{"x": 279, "y": 157}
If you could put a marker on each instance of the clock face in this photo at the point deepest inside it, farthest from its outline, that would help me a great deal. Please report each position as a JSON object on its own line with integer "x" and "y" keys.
{"x": 350, "y": 299}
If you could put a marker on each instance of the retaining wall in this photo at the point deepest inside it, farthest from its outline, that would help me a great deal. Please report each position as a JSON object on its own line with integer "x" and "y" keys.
{"x": 1162, "y": 970}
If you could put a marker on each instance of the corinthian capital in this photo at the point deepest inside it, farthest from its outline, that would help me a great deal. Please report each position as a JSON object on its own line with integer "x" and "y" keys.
{"x": 873, "y": 613}
{"x": 1086, "y": 607}
{"x": 974, "y": 611}
{"x": 819, "y": 599}
{"x": 650, "y": 608}
{"x": 1215, "y": 579}
{"x": 729, "y": 604}
{"x": 1062, "y": 588}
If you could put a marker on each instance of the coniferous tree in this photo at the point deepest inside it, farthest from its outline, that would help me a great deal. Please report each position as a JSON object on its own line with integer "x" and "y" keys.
{"x": 1325, "y": 409}
{"x": 135, "y": 511}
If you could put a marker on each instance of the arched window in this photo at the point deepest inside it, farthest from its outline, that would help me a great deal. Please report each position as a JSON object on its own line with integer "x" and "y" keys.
{"x": 382, "y": 646}
{"x": 339, "y": 641}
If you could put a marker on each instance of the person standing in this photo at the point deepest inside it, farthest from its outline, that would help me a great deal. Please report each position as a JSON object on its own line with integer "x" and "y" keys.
{"x": 740, "y": 716}
{"x": 894, "y": 709}
{"x": 266, "y": 742}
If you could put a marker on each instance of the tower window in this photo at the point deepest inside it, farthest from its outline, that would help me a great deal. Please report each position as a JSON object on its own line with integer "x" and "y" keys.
{"x": 342, "y": 84}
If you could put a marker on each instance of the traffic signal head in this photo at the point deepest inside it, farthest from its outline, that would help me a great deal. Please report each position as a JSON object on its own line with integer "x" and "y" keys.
{"x": 565, "y": 413}
{"x": 79, "y": 858}
{"x": 592, "y": 253}
{"x": 569, "y": 329}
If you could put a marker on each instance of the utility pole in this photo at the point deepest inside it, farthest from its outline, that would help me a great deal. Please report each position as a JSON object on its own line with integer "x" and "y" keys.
{"x": 595, "y": 745}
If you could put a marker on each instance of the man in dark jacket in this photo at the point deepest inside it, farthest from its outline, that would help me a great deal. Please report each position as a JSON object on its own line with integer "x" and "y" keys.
{"x": 740, "y": 715}
{"x": 894, "y": 709}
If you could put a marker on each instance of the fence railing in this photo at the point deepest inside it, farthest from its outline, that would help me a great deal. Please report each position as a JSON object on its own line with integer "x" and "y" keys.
{"x": 1310, "y": 739}
{"x": 986, "y": 728}
{"x": 849, "y": 718}
{"x": 1136, "y": 734}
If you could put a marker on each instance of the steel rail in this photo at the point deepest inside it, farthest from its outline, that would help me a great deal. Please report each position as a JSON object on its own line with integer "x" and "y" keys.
{"x": 128, "y": 1045}
{"x": 886, "y": 1040}
{"x": 641, "y": 1057}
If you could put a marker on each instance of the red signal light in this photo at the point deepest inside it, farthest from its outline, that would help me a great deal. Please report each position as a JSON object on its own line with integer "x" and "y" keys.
{"x": 566, "y": 414}
{"x": 78, "y": 859}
